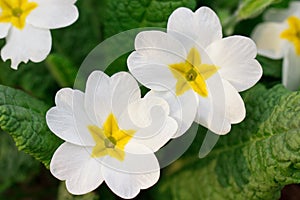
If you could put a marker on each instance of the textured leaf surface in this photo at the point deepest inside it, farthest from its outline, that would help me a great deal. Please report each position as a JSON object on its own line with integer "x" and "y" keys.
{"x": 127, "y": 14}
{"x": 23, "y": 117}
{"x": 254, "y": 161}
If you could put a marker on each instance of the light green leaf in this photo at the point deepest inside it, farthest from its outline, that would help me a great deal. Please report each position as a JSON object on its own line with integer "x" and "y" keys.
{"x": 127, "y": 14}
{"x": 23, "y": 117}
{"x": 254, "y": 161}
{"x": 252, "y": 8}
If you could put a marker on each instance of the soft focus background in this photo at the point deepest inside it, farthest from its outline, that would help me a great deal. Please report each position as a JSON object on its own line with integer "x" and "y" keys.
{"x": 24, "y": 178}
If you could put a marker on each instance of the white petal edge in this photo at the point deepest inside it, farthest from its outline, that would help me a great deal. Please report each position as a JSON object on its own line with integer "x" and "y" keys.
{"x": 75, "y": 165}
{"x": 98, "y": 97}
{"x": 291, "y": 69}
{"x": 235, "y": 107}
{"x": 68, "y": 119}
{"x": 267, "y": 38}
{"x": 27, "y": 44}
{"x": 125, "y": 90}
{"x": 183, "y": 108}
{"x": 154, "y": 126}
{"x": 202, "y": 27}
{"x": 235, "y": 55}
{"x": 139, "y": 170}
{"x": 53, "y": 14}
{"x": 4, "y": 28}
{"x": 211, "y": 111}
{"x": 158, "y": 47}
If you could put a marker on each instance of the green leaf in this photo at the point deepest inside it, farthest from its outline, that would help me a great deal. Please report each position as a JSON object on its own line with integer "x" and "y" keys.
{"x": 127, "y": 14}
{"x": 252, "y": 8}
{"x": 33, "y": 78}
{"x": 62, "y": 69}
{"x": 254, "y": 161}
{"x": 15, "y": 166}
{"x": 271, "y": 67}
{"x": 76, "y": 41}
{"x": 23, "y": 117}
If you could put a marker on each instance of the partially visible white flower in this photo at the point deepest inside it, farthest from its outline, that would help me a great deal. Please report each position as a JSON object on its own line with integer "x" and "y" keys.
{"x": 25, "y": 24}
{"x": 110, "y": 135}
{"x": 279, "y": 37}
{"x": 196, "y": 70}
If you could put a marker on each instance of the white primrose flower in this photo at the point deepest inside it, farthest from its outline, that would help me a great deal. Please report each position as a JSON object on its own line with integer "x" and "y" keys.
{"x": 196, "y": 70}
{"x": 110, "y": 135}
{"x": 25, "y": 24}
{"x": 279, "y": 37}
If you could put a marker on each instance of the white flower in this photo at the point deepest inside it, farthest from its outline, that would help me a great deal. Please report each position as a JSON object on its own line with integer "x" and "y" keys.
{"x": 25, "y": 24}
{"x": 195, "y": 70}
{"x": 110, "y": 135}
{"x": 279, "y": 37}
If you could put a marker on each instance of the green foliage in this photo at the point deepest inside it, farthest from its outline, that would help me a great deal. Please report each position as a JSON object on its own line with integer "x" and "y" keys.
{"x": 32, "y": 78}
{"x": 76, "y": 41}
{"x": 23, "y": 117}
{"x": 62, "y": 69}
{"x": 252, "y": 8}
{"x": 127, "y": 14}
{"x": 254, "y": 161}
{"x": 15, "y": 166}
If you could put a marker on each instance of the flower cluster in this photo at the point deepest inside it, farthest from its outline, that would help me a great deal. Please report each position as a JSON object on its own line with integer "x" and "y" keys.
{"x": 111, "y": 133}
{"x": 279, "y": 37}
{"x": 25, "y": 24}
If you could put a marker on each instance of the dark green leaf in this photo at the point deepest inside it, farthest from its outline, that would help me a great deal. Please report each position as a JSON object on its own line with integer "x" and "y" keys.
{"x": 254, "y": 161}
{"x": 23, "y": 117}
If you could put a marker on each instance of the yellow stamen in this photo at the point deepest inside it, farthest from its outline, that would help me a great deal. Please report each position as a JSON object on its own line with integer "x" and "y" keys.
{"x": 292, "y": 34}
{"x": 192, "y": 74}
{"x": 110, "y": 140}
{"x": 16, "y": 11}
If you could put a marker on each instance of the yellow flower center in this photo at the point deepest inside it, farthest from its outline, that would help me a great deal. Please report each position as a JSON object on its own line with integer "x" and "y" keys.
{"x": 110, "y": 140}
{"x": 292, "y": 34}
{"x": 192, "y": 74}
{"x": 16, "y": 11}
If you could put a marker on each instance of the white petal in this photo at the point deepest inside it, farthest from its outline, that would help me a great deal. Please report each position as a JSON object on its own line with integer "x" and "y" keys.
{"x": 98, "y": 97}
{"x": 158, "y": 47}
{"x": 235, "y": 56}
{"x": 202, "y": 27}
{"x": 139, "y": 170}
{"x": 53, "y": 14}
{"x": 124, "y": 89}
{"x": 291, "y": 69}
{"x": 128, "y": 186}
{"x": 151, "y": 67}
{"x": 235, "y": 107}
{"x": 183, "y": 108}
{"x": 75, "y": 165}
{"x": 4, "y": 28}
{"x": 154, "y": 76}
{"x": 212, "y": 109}
{"x": 155, "y": 127}
{"x": 29, "y": 43}
{"x": 267, "y": 38}
{"x": 149, "y": 64}
{"x": 68, "y": 119}
{"x": 280, "y": 15}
